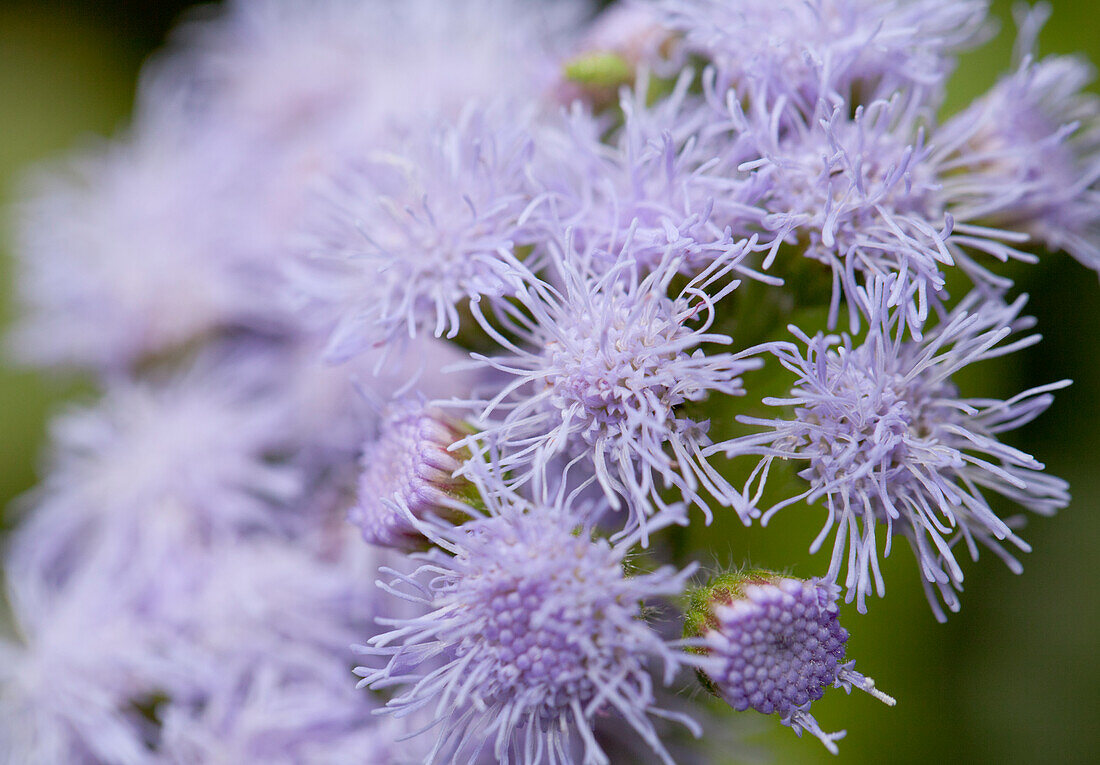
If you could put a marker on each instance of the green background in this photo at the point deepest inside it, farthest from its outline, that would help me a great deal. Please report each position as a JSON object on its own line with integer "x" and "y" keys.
{"x": 1013, "y": 678}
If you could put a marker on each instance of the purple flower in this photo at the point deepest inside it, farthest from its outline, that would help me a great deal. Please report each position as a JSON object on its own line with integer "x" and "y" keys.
{"x": 279, "y": 71}
{"x": 667, "y": 177}
{"x": 889, "y": 441}
{"x": 858, "y": 194}
{"x": 793, "y": 53}
{"x": 81, "y": 659}
{"x": 261, "y": 712}
{"x": 263, "y": 627}
{"x": 1026, "y": 157}
{"x": 600, "y": 369}
{"x": 774, "y": 644}
{"x": 195, "y": 457}
{"x": 409, "y": 468}
{"x": 533, "y": 632}
{"x": 405, "y": 235}
{"x": 121, "y": 252}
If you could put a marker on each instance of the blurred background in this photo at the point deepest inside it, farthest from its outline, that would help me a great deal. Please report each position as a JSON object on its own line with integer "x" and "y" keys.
{"x": 1013, "y": 678}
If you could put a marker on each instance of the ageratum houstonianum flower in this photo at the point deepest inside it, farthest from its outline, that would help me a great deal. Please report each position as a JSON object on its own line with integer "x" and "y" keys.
{"x": 263, "y": 628}
{"x": 409, "y": 465}
{"x": 666, "y": 177}
{"x": 1026, "y": 155}
{"x": 597, "y": 373}
{"x": 794, "y": 53}
{"x": 279, "y": 71}
{"x": 158, "y": 461}
{"x": 532, "y": 632}
{"x": 404, "y": 235}
{"x": 113, "y": 264}
{"x": 773, "y": 644}
{"x": 81, "y": 657}
{"x": 889, "y": 441}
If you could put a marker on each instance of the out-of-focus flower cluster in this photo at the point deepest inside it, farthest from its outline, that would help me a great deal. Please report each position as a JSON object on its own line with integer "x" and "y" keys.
{"x": 416, "y": 324}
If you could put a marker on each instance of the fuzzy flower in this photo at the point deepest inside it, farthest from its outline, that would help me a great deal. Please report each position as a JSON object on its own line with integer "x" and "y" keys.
{"x": 281, "y": 70}
{"x": 1026, "y": 157}
{"x": 409, "y": 465}
{"x": 263, "y": 627}
{"x": 402, "y": 237}
{"x": 668, "y": 176}
{"x": 533, "y": 633}
{"x": 265, "y": 713}
{"x": 857, "y": 194}
{"x": 599, "y": 370}
{"x": 156, "y": 462}
{"x": 83, "y": 659}
{"x": 113, "y": 263}
{"x": 774, "y": 644}
{"x": 800, "y": 52}
{"x": 889, "y": 441}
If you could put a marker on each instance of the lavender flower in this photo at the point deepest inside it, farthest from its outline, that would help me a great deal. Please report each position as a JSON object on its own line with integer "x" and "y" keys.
{"x": 409, "y": 467}
{"x": 82, "y": 657}
{"x": 799, "y": 53}
{"x": 599, "y": 373}
{"x": 890, "y": 441}
{"x": 404, "y": 236}
{"x": 774, "y": 644}
{"x": 159, "y": 462}
{"x": 533, "y": 632}
{"x": 261, "y": 713}
{"x": 281, "y": 72}
{"x": 668, "y": 176}
{"x": 857, "y": 194}
{"x": 112, "y": 266}
{"x": 1026, "y": 157}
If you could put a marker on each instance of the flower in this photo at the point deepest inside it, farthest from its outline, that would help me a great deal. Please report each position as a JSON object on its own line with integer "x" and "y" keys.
{"x": 402, "y": 236}
{"x": 774, "y": 644}
{"x": 113, "y": 266}
{"x": 666, "y": 177}
{"x": 197, "y": 456}
{"x": 409, "y": 467}
{"x": 83, "y": 657}
{"x": 857, "y": 194}
{"x": 599, "y": 374}
{"x": 889, "y": 440}
{"x": 1025, "y": 157}
{"x": 532, "y": 632}
{"x": 283, "y": 716}
{"x": 797, "y": 53}
{"x": 279, "y": 71}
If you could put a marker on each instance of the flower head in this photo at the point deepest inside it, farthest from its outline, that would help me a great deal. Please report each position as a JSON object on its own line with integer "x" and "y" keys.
{"x": 774, "y": 644}
{"x": 201, "y": 455}
{"x": 1026, "y": 157}
{"x": 408, "y": 467}
{"x": 667, "y": 177}
{"x": 889, "y": 441}
{"x": 404, "y": 236}
{"x": 114, "y": 264}
{"x": 533, "y": 632}
{"x": 802, "y": 52}
{"x": 600, "y": 374}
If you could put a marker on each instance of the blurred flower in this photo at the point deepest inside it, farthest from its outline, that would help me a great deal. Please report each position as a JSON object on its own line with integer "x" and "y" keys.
{"x": 1025, "y": 157}
{"x": 157, "y": 464}
{"x": 799, "y": 53}
{"x": 405, "y": 235}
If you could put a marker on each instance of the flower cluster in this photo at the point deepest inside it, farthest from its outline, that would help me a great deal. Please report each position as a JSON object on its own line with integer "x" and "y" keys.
{"x": 474, "y": 301}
